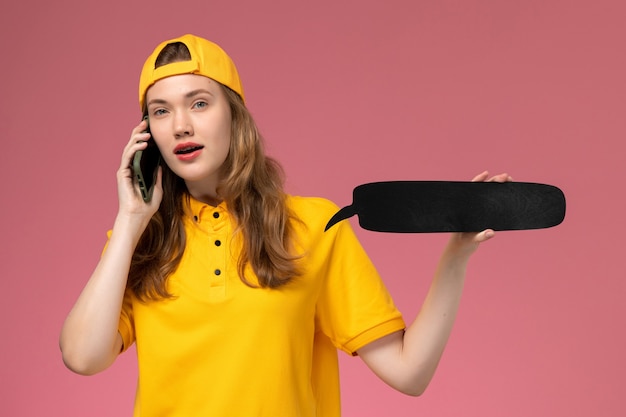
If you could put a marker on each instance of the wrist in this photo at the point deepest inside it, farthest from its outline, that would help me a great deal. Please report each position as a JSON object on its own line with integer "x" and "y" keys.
{"x": 129, "y": 225}
{"x": 460, "y": 247}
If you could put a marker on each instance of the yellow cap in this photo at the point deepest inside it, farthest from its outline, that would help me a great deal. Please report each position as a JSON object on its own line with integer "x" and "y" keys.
{"x": 207, "y": 59}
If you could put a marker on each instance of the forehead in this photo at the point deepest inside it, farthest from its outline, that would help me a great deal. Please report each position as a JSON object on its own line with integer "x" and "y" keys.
{"x": 178, "y": 86}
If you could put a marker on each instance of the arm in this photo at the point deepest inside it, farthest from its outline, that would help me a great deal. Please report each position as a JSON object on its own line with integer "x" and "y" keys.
{"x": 89, "y": 339}
{"x": 407, "y": 360}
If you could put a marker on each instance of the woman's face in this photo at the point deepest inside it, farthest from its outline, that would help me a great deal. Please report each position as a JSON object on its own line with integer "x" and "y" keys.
{"x": 190, "y": 121}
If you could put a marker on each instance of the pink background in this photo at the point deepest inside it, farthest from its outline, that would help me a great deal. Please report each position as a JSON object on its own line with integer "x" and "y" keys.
{"x": 345, "y": 92}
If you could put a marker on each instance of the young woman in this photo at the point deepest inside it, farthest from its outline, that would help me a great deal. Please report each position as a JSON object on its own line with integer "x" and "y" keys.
{"x": 235, "y": 297}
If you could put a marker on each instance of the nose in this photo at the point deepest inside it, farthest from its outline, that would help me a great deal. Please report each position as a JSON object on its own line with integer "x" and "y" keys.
{"x": 182, "y": 125}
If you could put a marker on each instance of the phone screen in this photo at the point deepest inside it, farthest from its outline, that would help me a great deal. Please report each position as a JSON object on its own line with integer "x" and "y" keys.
{"x": 145, "y": 164}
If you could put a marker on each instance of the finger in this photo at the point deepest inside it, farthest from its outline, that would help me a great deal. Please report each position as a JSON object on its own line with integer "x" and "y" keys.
{"x": 137, "y": 140}
{"x": 141, "y": 127}
{"x": 504, "y": 177}
{"x": 484, "y": 236}
{"x": 481, "y": 177}
{"x": 129, "y": 152}
{"x": 139, "y": 133}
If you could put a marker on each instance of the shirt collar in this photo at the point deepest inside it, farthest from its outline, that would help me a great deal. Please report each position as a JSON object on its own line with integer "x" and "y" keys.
{"x": 206, "y": 214}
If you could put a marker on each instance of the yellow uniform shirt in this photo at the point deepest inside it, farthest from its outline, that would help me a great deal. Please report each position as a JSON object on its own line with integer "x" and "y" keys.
{"x": 221, "y": 348}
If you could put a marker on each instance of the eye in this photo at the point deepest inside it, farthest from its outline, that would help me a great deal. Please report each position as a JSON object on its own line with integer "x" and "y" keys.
{"x": 159, "y": 112}
{"x": 200, "y": 104}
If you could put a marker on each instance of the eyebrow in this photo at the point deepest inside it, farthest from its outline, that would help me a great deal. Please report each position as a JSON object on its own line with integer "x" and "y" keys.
{"x": 190, "y": 94}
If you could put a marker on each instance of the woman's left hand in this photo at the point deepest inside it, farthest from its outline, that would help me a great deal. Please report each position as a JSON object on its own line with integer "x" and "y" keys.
{"x": 407, "y": 360}
{"x": 467, "y": 243}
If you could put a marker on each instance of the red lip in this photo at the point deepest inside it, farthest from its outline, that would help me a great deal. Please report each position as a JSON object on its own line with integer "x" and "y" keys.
{"x": 188, "y": 151}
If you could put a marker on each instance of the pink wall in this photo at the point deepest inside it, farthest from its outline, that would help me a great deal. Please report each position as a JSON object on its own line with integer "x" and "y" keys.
{"x": 346, "y": 93}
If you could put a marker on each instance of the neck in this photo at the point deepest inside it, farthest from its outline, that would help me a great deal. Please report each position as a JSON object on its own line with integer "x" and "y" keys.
{"x": 204, "y": 193}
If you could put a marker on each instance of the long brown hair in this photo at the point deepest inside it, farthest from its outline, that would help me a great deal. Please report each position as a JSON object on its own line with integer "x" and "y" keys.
{"x": 251, "y": 185}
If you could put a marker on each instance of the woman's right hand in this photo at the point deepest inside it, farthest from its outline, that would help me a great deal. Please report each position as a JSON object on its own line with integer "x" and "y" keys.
{"x": 130, "y": 201}
{"x": 90, "y": 340}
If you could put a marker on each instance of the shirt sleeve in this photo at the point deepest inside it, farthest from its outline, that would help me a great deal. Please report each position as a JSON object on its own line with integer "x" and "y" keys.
{"x": 354, "y": 307}
{"x": 125, "y": 326}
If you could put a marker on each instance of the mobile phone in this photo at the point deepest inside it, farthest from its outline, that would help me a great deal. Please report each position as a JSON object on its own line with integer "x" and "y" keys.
{"x": 145, "y": 165}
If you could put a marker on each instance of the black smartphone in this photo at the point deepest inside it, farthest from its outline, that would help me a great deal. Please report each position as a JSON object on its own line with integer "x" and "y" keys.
{"x": 145, "y": 166}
